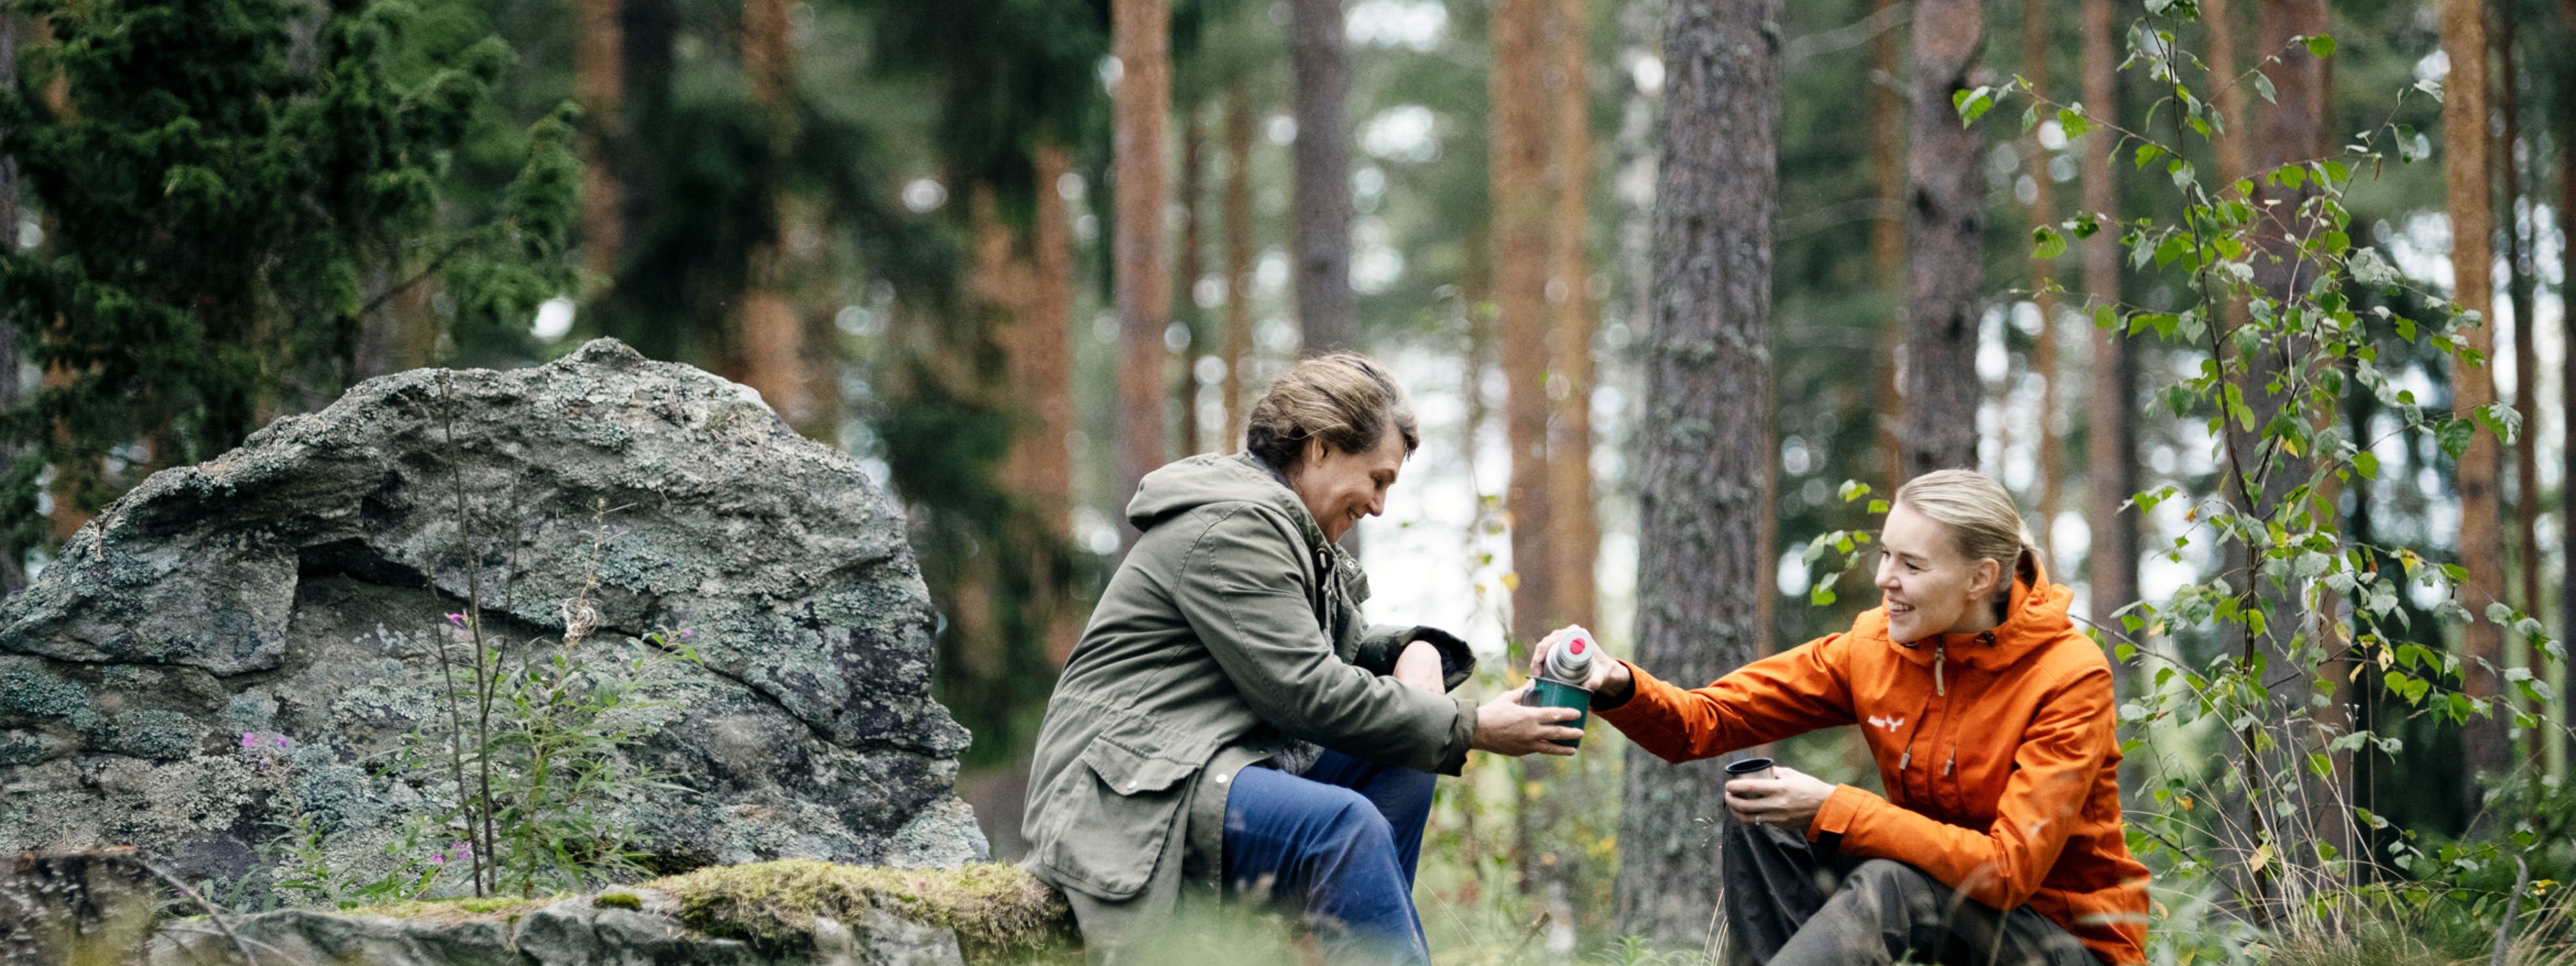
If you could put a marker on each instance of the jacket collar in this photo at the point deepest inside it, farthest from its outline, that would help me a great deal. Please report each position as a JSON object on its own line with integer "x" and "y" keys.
{"x": 2034, "y": 616}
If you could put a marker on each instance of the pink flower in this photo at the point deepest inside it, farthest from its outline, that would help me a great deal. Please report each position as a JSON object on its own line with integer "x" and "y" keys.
{"x": 250, "y": 739}
{"x": 685, "y": 633}
{"x": 438, "y": 860}
{"x": 457, "y": 619}
{"x": 281, "y": 741}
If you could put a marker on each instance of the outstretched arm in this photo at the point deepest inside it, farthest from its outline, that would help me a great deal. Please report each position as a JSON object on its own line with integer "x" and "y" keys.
{"x": 1790, "y": 693}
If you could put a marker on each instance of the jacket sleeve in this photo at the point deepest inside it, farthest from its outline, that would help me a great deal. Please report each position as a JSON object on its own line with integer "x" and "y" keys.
{"x": 1241, "y": 590}
{"x": 1382, "y": 644}
{"x": 2060, "y": 757}
{"x": 1789, "y": 693}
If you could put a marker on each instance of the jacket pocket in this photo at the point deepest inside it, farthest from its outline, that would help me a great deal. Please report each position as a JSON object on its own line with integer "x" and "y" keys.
{"x": 1114, "y": 818}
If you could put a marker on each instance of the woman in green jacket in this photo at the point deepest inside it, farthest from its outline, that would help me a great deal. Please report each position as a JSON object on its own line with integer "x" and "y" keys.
{"x": 1226, "y": 726}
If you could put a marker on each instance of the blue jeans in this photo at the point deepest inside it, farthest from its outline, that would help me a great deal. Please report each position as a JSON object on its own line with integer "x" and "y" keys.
{"x": 1336, "y": 845}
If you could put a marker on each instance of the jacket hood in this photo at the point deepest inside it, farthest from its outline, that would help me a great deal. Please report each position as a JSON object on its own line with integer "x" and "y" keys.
{"x": 1208, "y": 478}
{"x": 2034, "y": 617}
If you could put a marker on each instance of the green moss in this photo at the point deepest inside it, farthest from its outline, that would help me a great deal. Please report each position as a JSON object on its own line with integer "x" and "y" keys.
{"x": 998, "y": 911}
{"x": 617, "y": 900}
{"x": 455, "y": 910}
{"x": 155, "y": 734}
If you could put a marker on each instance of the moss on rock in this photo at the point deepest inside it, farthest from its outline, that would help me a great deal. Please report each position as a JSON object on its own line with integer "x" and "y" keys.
{"x": 503, "y": 908}
{"x": 999, "y": 912}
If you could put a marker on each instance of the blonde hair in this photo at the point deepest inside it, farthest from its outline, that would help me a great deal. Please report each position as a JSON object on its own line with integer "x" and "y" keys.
{"x": 1344, "y": 399}
{"x": 1984, "y": 523}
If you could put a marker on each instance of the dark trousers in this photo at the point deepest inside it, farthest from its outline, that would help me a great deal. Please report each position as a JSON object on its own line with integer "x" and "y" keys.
{"x": 1794, "y": 903}
{"x": 1336, "y": 846}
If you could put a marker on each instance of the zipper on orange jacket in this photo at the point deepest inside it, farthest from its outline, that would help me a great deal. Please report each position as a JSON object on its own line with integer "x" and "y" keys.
{"x": 1940, "y": 653}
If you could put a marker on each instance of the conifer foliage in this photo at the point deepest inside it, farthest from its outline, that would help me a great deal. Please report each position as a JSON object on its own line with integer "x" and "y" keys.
{"x": 225, "y": 189}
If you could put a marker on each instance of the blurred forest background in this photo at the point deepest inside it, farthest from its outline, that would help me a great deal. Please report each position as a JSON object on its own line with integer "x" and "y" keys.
{"x": 1662, "y": 276}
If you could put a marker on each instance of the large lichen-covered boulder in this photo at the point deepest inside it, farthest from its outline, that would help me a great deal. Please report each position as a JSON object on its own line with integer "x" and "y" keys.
{"x": 228, "y": 657}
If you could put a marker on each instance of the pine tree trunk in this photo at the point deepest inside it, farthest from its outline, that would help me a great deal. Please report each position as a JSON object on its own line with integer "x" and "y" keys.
{"x": 1702, "y": 501}
{"x": 648, "y": 31}
{"x": 1185, "y": 276}
{"x": 2484, "y": 740}
{"x": 1141, "y": 35}
{"x": 2043, "y": 351}
{"x": 771, "y": 341}
{"x": 2233, "y": 161}
{"x": 1575, "y": 531}
{"x": 1043, "y": 370}
{"x": 1946, "y": 221}
{"x": 2111, "y": 443}
{"x": 2526, "y": 366}
{"x": 1520, "y": 211}
{"x": 598, "y": 55}
{"x": 1888, "y": 117}
{"x": 1238, "y": 259}
{"x": 1323, "y": 177}
{"x": 2293, "y": 129}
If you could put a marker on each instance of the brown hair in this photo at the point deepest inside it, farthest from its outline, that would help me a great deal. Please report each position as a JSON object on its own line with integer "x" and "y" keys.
{"x": 1984, "y": 524}
{"x": 1344, "y": 399}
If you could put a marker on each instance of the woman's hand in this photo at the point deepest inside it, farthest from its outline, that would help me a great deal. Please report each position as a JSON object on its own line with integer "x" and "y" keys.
{"x": 1789, "y": 800}
{"x": 1505, "y": 726}
{"x": 1419, "y": 666}
{"x": 1609, "y": 680}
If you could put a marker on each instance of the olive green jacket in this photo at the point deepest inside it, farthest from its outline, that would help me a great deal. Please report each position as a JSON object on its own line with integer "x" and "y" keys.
{"x": 1229, "y": 636}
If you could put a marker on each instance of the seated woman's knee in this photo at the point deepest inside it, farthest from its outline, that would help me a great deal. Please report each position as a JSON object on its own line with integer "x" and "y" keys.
{"x": 1887, "y": 876}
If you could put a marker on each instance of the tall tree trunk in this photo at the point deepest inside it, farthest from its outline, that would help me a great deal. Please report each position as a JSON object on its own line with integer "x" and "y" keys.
{"x": 2043, "y": 351}
{"x": 598, "y": 55}
{"x": 1323, "y": 177}
{"x": 1701, "y": 499}
{"x": 1044, "y": 374}
{"x": 1575, "y": 531}
{"x": 1238, "y": 258}
{"x": 1520, "y": 212}
{"x": 647, "y": 33}
{"x": 2484, "y": 741}
{"x": 1518, "y": 167}
{"x": 1185, "y": 275}
{"x": 2526, "y": 364}
{"x": 1946, "y": 223}
{"x": 2111, "y": 436}
{"x": 771, "y": 341}
{"x": 2293, "y": 130}
{"x": 1141, "y": 35}
{"x": 1888, "y": 117}
{"x": 2233, "y": 160}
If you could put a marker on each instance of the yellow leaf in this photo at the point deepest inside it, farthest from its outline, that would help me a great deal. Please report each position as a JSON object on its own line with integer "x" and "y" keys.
{"x": 2262, "y": 857}
{"x": 1512, "y": 581}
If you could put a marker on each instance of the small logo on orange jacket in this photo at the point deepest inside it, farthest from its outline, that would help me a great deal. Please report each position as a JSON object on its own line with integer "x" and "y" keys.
{"x": 1891, "y": 724}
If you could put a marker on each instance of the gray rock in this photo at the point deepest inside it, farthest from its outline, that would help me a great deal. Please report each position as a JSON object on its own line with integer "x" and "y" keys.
{"x": 293, "y": 588}
{"x": 571, "y": 932}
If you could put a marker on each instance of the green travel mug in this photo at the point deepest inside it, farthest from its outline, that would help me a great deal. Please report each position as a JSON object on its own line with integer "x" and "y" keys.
{"x": 1559, "y": 682}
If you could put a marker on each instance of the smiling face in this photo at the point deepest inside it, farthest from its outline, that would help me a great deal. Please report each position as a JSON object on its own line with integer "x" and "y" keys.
{"x": 1339, "y": 487}
{"x": 1930, "y": 587}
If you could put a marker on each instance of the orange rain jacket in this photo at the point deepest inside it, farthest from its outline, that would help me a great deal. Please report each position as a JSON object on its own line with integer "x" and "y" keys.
{"x": 1997, "y": 751}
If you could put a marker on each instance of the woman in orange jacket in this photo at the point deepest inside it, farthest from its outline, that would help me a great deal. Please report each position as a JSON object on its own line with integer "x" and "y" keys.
{"x": 1990, "y": 716}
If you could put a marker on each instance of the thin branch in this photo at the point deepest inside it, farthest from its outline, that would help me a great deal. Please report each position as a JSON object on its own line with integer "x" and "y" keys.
{"x": 214, "y": 913}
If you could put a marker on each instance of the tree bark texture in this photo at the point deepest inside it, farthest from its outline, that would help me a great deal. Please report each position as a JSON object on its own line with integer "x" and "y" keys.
{"x": 598, "y": 58}
{"x": 1703, "y": 492}
{"x": 770, "y": 341}
{"x": 1141, "y": 37}
{"x": 2526, "y": 361}
{"x": 1575, "y": 531}
{"x": 2484, "y": 740}
{"x": 2049, "y": 481}
{"x": 647, "y": 33}
{"x": 1518, "y": 165}
{"x": 1185, "y": 275}
{"x": 2233, "y": 160}
{"x": 2111, "y": 438}
{"x": 1322, "y": 179}
{"x": 1238, "y": 259}
{"x": 1945, "y": 237}
{"x": 1887, "y": 119}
